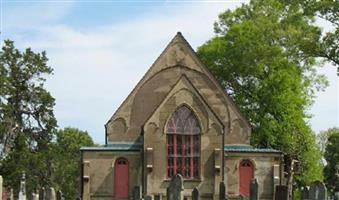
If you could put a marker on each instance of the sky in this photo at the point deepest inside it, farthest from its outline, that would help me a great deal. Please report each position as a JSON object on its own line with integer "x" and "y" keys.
{"x": 99, "y": 50}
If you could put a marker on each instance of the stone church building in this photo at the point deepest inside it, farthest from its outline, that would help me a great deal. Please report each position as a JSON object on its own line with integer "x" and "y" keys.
{"x": 178, "y": 120}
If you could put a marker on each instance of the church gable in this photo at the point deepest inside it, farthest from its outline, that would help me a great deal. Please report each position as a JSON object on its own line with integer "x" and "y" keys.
{"x": 177, "y": 59}
{"x": 184, "y": 94}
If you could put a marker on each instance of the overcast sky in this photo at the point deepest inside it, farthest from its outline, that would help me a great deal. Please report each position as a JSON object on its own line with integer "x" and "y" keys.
{"x": 100, "y": 50}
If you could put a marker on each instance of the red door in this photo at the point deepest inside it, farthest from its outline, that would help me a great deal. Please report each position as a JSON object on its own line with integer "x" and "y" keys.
{"x": 245, "y": 176}
{"x": 121, "y": 178}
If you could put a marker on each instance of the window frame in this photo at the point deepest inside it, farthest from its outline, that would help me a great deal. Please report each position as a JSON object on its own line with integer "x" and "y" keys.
{"x": 190, "y": 155}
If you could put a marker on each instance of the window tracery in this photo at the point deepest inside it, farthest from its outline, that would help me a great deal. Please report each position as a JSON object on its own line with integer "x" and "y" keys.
{"x": 183, "y": 144}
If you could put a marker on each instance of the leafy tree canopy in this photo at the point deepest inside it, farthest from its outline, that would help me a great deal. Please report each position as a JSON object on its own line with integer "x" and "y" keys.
{"x": 66, "y": 175}
{"x": 259, "y": 56}
{"x": 328, "y": 46}
{"x": 331, "y": 155}
{"x": 27, "y": 122}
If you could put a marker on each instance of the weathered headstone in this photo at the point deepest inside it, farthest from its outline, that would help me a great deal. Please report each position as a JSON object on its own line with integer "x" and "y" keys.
{"x": 50, "y": 194}
{"x": 148, "y": 197}
{"x": 195, "y": 194}
{"x": 12, "y": 194}
{"x": 42, "y": 194}
{"x": 254, "y": 192}
{"x": 22, "y": 192}
{"x": 317, "y": 191}
{"x": 281, "y": 192}
{"x": 158, "y": 197}
{"x": 137, "y": 193}
{"x": 1, "y": 187}
{"x": 222, "y": 191}
{"x": 35, "y": 196}
{"x": 174, "y": 191}
{"x": 305, "y": 194}
{"x": 59, "y": 195}
{"x": 336, "y": 195}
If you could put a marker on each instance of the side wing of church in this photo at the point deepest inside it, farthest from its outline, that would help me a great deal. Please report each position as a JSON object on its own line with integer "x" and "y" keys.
{"x": 178, "y": 120}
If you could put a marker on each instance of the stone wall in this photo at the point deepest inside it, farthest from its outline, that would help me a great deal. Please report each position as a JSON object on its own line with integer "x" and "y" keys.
{"x": 98, "y": 168}
{"x": 263, "y": 172}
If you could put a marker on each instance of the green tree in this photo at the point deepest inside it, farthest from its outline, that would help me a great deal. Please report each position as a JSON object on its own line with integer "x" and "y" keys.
{"x": 322, "y": 138}
{"x": 27, "y": 122}
{"x": 331, "y": 155}
{"x": 258, "y": 55}
{"x": 67, "y": 160}
{"x": 328, "y": 46}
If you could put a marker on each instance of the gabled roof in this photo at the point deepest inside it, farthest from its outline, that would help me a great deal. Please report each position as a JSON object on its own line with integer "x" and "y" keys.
{"x": 187, "y": 84}
{"x": 179, "y": 52}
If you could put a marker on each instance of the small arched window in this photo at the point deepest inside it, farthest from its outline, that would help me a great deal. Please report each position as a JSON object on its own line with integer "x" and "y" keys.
{"x": 183, "y": 144}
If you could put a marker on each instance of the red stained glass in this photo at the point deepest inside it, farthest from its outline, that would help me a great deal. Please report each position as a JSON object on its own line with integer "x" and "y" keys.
{"x": 183, "y": 144}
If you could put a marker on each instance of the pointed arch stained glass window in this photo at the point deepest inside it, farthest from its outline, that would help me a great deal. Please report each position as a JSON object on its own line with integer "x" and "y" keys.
{"x": 183, "y": 144}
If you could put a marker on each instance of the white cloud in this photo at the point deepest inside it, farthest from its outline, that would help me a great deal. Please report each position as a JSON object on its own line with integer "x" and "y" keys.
{"x": 28, "y": 15}
{"x": 96, "y": 69}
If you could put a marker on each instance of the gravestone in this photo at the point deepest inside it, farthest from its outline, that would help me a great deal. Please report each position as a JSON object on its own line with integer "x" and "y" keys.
{"x": 59, "y": 195}
{"x": 42, "y": 194}
{"x": 50, "y": 194}
{"x": 158, "y": 197}
{"x": 222, "y": 191}
{"x": 22, "y": 192}
{"x": 317, "y": 191}
{"x": 137, "y": 193}
{"x": 1, "y": 187}
{"x": 35, "y": 196}
{"x": 148, "y": 197}
{"x": 336, "y": 195}
{"x": 195, "y": 194}
{"x": 12, "y": 194}
{"x": 254, "y": 194}
{"x": 305, "y": 194}
{"x": 175, "y": 188}
{"x": 281, "y": 192}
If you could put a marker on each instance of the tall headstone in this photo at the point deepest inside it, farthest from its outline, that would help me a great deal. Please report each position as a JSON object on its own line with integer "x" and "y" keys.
{"x": 35, "y": 196}
{"x": 174, "y": 191}
{"x": 254, "y": 192}
{"x": 42, "y": 194}
{"x": 158, "y": 197}
{"x": 317, "y": 191}
{"x": 22, "y": 192}
{"x": 50, "y": 194}
{"x": 1, "y": 187}
{"x": 148, "y": 197}
{"x": 336, "y": 195}
{"x": 137, "y": 193}
{"x": 195, "y": 194}
{"x": 305, "y": 194}
{"x": 281, "y": 192}
{"x": 222, "y": 191}
{"x": 59, "y": 195}
{"x": 12, "y": 194}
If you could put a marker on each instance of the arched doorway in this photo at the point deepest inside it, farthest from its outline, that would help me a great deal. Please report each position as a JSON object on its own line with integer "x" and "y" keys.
{"x": 121, "y": 178}
{"x": 245, "y": 176}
